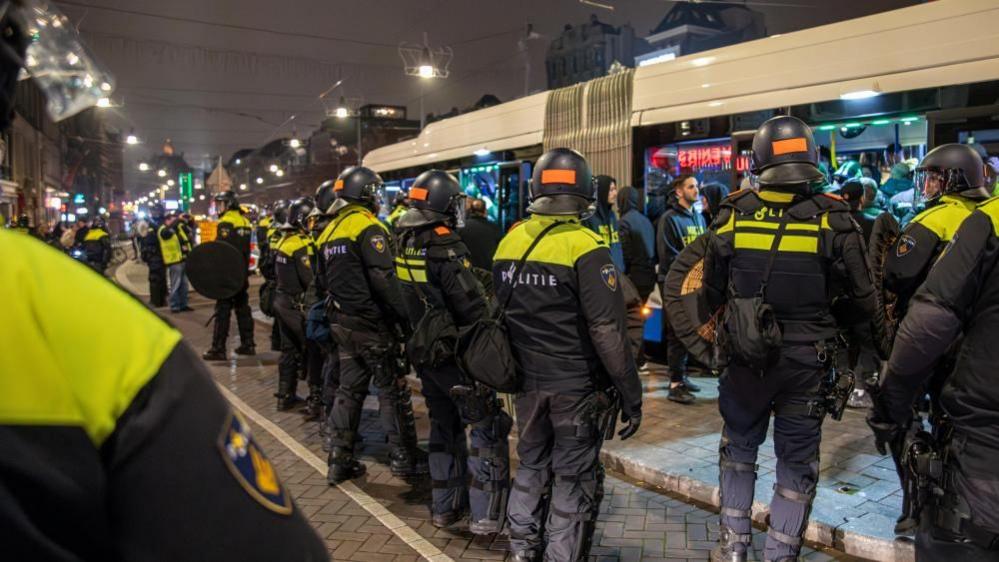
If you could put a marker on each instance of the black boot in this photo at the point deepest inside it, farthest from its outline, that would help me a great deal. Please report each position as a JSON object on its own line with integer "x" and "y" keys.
{"x": 245, "y": 349}
{"x": 214, "y": 355}
{"x": 447, "y": 520}
{"x": 314, "y": 404}
{"x": 343, "y": 466}
{"x": 286, "y": 402}
{"x": 732, "y": 547}
{"x": 220, "y": 333}
{"x": 405, "y": 462}
{"x": 525, "y": 556}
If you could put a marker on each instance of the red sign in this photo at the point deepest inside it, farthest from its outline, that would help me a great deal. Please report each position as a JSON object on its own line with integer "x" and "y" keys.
{"x": 718, "y": 156}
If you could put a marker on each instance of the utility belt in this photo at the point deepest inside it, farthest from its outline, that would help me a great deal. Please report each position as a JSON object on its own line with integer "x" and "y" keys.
{"x": 297, "y": 300}
{"x": 837, "y": 383}
{"x": 929, "y": 467}
{"x": 596, "y": 416}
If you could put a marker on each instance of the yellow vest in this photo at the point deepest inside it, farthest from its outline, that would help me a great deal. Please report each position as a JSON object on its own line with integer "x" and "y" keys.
{"x": 80, "y": 376}
{"x": 170, "y": 247}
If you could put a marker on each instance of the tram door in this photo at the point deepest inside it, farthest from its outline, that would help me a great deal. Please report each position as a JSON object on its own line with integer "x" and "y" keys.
{"x": 742, "y": 145}
{"x": 513, "y": 192}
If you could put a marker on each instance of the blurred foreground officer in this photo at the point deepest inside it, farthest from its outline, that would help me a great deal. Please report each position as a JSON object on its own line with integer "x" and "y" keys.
{"x": 566, "y": 320}
{"x": 960, "y": 297}
{"x": 293, "y": 271}
{"x": 97, "y": 245}
{"x": 776, "y": 259}
{"x": 434, "y": 267}
{"x": 234, "y": 229}
{"x": 368, "y": 320}
{"x": 113, "y": 421}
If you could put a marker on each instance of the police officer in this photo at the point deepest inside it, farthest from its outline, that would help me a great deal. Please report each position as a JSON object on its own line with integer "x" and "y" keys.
{"x": 152, "y": 255}
{"x": 174, "y": 247}
{"x": 433, "y": 264}
{"x": 796, "y": 249}
{"x": 959, "y": 298}
{"x": 97, "y": 245}
{"x": 234, "y": 229}
{"x": 318, "y": 221}
{"x": 268, "y": 237}
{"x": 944, "y": 174}
{"x": 101, "y": 431}
{"x": 399, "y": 207}
{"x": 368, "y": 320}
{"x": 293, "y": 270}
{"x": 565, "y": 315}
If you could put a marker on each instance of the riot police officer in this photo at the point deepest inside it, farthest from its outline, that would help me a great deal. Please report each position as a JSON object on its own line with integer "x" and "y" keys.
{"x": 152, "y": 255}
{"x": 234, "y": 229}
{"x": 268, "y": 237}
{"x": 565, "y": 315}
{"x": 318, "y": 220}
{"x": 97, "y": 245}
{"x": 433, "y": 265}
{"x": 368, "y": 320}
{"x": 958, "y": 299}
{"x": 778, "y": 255}
{"x": 944, "y": 174}
{"x": 293, "y": 272}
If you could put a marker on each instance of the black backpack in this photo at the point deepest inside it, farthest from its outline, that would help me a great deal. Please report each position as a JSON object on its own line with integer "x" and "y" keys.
{"x": 484, "y": 351}
{"x": 434, "y": 335}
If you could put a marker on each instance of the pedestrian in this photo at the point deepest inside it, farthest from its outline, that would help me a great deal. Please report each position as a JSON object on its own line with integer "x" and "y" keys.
{"x": 233, "y": 229}
{"x": 638, "y": 241}
{"x": 118, "y": 414}
{"x": 152, "y": 254}
{"x": 854, "y": 192}
{"x": 174, "y": 248}
{"x": 680, "y": 225}
{"x": 480, "y": 235}
{"x": 97, "y": 246}
{"x": 776, "y": 259}
{"x": 369, "y": 322}
{"x": 565, "y": 318}
{"x": 603, "y": 221}
{"x": 434, "y": 268}
{"x": 956, "y": 305}
{"x": 293, "y": 272}
{"x": 712, "y": 194}
{"x": 82, "y": 226}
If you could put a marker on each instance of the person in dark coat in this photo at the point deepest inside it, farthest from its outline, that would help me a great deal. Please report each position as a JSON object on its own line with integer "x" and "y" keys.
{"x": 604, "y": 221}
{"x": 854, "y": 192}
{"x": 638, "y": 241}
{"x": 481, "y": 236}
{"x": 711, "y": 198}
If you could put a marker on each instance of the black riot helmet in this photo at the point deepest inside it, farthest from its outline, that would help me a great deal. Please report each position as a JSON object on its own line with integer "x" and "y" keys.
{"x": 279, "y": 213}
{"x": 951, "y": 168}
{"x": 359, "y": 185}
{"x": 99, "y": 223}
{"x": 227, "y": 200}
{"x": 324, "y": 196}
{"x": 562, "y": 184}
{"x": 784, "y": 153}
{"x": 298, "y": 210}
{"x": 436, "y": 197}
{"x": 156, "y": 211}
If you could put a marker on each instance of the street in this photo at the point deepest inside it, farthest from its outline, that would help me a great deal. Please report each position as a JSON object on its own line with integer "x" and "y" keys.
{"x": 379, "y": 517}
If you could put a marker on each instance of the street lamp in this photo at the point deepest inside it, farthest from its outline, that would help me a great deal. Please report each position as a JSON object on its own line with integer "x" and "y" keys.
{"x": 294, "y": 143}
{"x": 260, "y": 180}
{"x": 104, "y": 102}
{"x": 161, "y": 173}
{"x": 273, "y": 168}
{"x": 143, "y": 167}
{"x": 279, "y": 173}
{"x": 131, "y": 138}
{"x": 170, "y": 183}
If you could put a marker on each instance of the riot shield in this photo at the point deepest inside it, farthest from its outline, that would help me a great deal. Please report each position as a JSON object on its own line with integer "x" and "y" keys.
{"x": 685, "y": 304}
{"x": 885, "y": 322}
{"x": 216, "y": 270}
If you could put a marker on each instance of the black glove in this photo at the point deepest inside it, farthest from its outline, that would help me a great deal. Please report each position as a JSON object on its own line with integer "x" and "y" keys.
{"x": 633, "y": 422}
{"x": 885, "y": 430}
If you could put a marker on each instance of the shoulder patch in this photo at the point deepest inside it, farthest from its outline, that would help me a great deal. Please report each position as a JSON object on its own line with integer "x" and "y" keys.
{"x": 609, "y": 275}
{"x": 250, "y": 466}
{"x": 378, "y": 243}
{"x": 905, "y": 245}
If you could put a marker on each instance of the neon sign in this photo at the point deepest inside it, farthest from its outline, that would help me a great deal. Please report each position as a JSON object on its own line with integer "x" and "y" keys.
{"x": 718, "y": 156}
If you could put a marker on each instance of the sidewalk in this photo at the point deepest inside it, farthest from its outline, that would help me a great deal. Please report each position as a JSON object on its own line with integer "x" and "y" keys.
{"x": 858, "y": 497}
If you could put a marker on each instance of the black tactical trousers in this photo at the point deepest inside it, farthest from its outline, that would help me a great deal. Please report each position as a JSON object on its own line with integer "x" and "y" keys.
{"x": 676, "y": 355}
{"x": 331, "y": 376}
{"x": 244, "y": 319}
{"x": 298, "y": 353}
{"x": 976, "y": 496}
{"x": 357, "y": 370}
{"x": 559, "y": 483}
{"x": 450, "y": 461}
{"x": 746, "y": 401}
{"x": 157, "y": 285}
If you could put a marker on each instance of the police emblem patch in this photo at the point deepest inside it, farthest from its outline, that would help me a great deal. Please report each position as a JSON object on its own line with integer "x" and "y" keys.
{"x": 609, "y": 274}
{"x": 249, "y": 465}
{"x": 905, "y": 245}
{"x": 378, "y": 243}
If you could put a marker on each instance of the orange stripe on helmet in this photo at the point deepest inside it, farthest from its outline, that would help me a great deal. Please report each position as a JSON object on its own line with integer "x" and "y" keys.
{"x": 558, "y": 176}
{"x": 338, "y": 185}
{"x": 788, "y": 146}
{"x": 419, "y": 194}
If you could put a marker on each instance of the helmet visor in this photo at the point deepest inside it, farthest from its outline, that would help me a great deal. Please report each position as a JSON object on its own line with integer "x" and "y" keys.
{"x": 56, "y": 59}
{"x": 460, "y": 209}
{"x": 930, "y": 184}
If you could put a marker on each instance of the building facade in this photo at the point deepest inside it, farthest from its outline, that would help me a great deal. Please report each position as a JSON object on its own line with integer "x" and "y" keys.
{"x": 587, "y": 51}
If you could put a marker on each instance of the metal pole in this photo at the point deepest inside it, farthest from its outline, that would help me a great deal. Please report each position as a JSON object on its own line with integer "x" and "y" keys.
{"x": 358, "y": 138}
{"x": 423, "y": 116}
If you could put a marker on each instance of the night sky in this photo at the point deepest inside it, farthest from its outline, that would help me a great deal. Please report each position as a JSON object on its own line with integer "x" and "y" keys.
{"x": 213, "y": 89}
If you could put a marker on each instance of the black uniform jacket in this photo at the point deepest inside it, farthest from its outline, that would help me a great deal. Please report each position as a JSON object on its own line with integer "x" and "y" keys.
{"x": 821, "y": 257}
{"x": 566, "y": 316}
{"x": 359, "y": 272}
{"x": 115, "y": 443}
{"x": 293, "y": 264}
{"x": 433, "y": 263}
